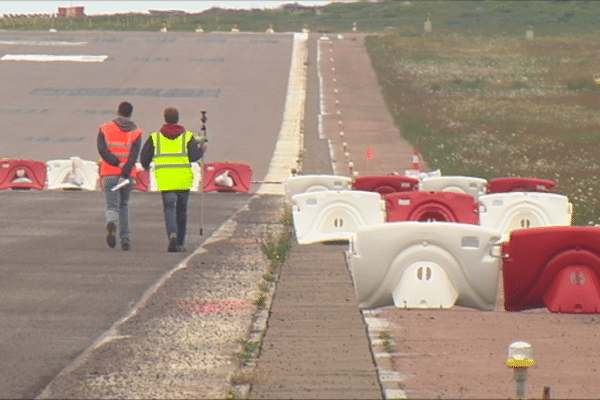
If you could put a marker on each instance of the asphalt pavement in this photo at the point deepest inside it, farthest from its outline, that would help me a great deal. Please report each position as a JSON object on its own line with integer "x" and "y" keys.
{"x": 314, "y": 345}
{"x": 61, "y": 287}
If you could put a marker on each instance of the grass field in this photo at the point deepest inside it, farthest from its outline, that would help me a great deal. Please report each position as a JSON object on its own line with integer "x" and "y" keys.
{"x": 499, "y": 106}
{"x": 474, "y": 95}
{"x": 485, "y": 101}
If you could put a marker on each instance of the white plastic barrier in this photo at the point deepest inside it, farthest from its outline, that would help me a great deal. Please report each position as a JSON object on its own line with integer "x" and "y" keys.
{"x": 195, "y": 185}
{"x": 311, "y": 183}
{"x": 335, "y": 215}
{"x": 508, "y": 211}
{"x": 420, "y": 174}
{"x": 459, "y": 184}
{"x": 425, "y": 265}
{"x": 74, "y": 173}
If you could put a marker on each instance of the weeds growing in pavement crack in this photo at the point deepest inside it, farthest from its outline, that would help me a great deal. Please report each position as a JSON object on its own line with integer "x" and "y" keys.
{"x": 249, "y": 345}
{"x": 276, "y": 249}
{"x": 299, "y": 161}
{"x": 385, "y": 342}
{"x": 248, "y": 352}
{"x": 261, "y": 301}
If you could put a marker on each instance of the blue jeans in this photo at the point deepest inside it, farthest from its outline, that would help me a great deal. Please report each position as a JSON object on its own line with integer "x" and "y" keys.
{"x": 117, "y": 204}
{"x": 175, "y": 205}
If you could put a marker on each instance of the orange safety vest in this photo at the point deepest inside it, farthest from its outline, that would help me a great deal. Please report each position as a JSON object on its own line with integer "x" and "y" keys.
{"x": 119, "y": 143}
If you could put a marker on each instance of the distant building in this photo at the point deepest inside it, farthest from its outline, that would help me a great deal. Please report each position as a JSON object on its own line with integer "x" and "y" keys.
{"x": 76, "y": 11}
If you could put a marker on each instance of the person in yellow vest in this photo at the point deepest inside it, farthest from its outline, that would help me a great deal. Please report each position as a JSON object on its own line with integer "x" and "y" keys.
{"x": 173, "y": 149}
{"x": 119, "y": 142}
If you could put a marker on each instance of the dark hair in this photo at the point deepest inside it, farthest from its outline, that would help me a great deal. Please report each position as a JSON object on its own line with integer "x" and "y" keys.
{"x": 125, "y": 109}
{"x": 171, "y": 115}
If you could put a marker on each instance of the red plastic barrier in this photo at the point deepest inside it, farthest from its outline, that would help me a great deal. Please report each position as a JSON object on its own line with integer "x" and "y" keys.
{"x": 437, "y": 206}
{"x": 385, "y": 184}
{"x": 519, "y": 184}
{"x": 575, "y": 290}
{"x": 556, "y": 267}
{"x": 22, "y": 174}
{"x": 142, "y": 180}
{"x": 227, "y": 177}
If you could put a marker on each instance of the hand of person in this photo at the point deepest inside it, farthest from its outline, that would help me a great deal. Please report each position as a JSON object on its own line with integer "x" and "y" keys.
{"x": 202, "y": 140}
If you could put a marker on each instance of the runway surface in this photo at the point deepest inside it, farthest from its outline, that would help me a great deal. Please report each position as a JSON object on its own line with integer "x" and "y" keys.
{"x": 52, "y": 109}
{"x": 61, "y": 287}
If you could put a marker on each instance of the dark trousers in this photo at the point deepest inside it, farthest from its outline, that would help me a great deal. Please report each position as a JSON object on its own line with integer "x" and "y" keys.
{"x": 175, "y": 205}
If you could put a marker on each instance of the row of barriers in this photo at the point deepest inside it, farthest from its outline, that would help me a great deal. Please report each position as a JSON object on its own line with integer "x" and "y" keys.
{"x": 78, "y": 174}
{"x": 330, "y": 207}
{"x": 386, "y": 184}
{"x": 475, "y": 230}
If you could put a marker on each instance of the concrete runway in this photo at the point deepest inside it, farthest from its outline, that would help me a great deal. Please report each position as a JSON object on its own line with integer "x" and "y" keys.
{"x": 52, "y": 110}
{"x": 60, "y": 285}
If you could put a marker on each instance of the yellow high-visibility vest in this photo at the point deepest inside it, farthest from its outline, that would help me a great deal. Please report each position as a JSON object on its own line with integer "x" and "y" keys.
{"x": 172, "y": 168}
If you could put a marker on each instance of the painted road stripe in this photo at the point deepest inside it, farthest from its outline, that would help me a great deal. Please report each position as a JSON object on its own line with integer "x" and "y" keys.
{"x": 53, "y": 57}
{"x": 290, "y": 140}
{"x": 42, "y": 43}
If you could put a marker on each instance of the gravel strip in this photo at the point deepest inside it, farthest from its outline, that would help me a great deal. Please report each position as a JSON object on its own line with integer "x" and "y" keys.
{"x": 180, "y": 340}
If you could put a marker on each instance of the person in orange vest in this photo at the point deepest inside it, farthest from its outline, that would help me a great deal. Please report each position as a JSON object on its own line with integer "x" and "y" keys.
{"x": 172, "y": 150}
{"x": 119, "y": 142}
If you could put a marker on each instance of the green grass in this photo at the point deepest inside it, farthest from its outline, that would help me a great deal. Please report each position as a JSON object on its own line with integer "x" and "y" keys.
{"x": 277, "y": 249}
{"x": 491, "y": 106}
{"x": 261, "y": 301}
{"x": 249, "y": 346}
{"x": 497, "y": 17}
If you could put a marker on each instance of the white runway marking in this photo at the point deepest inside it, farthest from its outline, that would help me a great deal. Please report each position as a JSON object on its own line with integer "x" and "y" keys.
{"x": 291, "y": 140}
{"x": 53, "y": 57}
{"x": 42, "y": 43}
